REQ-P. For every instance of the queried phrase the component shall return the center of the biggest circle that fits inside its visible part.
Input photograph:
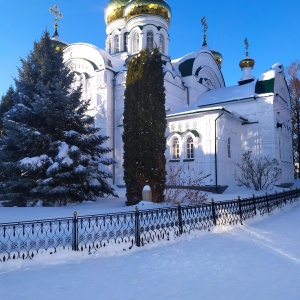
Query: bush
(184, 188)
(259, 173)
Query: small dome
(218, 57)
(114, 10)
(57, 42)
(149, 7)
(247, 62)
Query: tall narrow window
(136, 43)
(161, 43)
(228, 148)
(109, 46)
(175, 148)
(125, 41)
(190, 148)
(280, 149)
(116, 44)
(150, 40)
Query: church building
(209, 126)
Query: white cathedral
(209, 125)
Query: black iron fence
(22, 240)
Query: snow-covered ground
(111, 205)
(259, 260)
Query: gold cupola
(114, 10)
(247, 61)
(246, 66)
(218, 57)
(147, 7)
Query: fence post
(75, 232)
(213, 211)
(137, 227)
(254, 204)
(179, 218)
(240, 210)
(268, 206)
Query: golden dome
(152, 7)
(218, 57)
(114, 10)
(247, 62)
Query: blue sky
(272, 29)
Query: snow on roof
(189, 59)
(227, 94)
(267, 75)
(117, 64)
(270, 74)
(58, 39)
(219, 96)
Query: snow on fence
(22, 240)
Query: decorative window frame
(182, 140)
(194, 134)
(170, 141)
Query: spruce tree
(5, 105)
(144, 127)
(51, 150)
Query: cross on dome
(205, 27)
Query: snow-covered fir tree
(51, 151)
(5, 105)
(144, 127)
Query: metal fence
(23, 240)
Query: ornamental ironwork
(121, 231)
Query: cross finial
(247, 45)
(57, 14)
(204, 24)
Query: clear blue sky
(272, 29)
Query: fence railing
(22, 240)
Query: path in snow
(260, 260)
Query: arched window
(228, 148)
(136, 42)
(150, 40)
(116, 44)
(161, 43)
(175, 148)
(190, 148)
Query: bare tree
(261, 173)
(294, 86)
(182, 188)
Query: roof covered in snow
(220, 96)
